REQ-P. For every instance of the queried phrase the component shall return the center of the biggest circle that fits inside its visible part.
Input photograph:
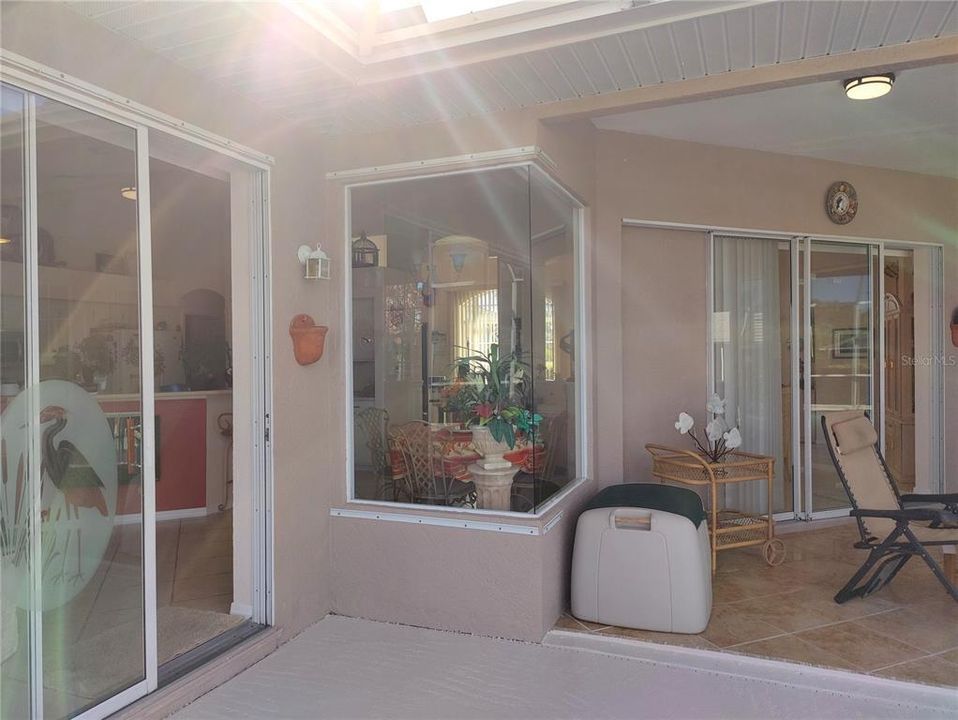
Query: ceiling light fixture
(869, 87)
(128, 192)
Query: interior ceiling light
(869, 87)
(128, 192)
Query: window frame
(539, 167)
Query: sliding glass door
(839, 285)
(123, 330)
(803, 327)
(74, 623)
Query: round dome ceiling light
(869, 87)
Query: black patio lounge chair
(909, 524)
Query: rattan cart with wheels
(728, 529)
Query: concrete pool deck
(348, 668)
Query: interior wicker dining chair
(426, 478)
(374, 424)
(531, 489)
(893, 527)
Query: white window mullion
(147, 408)
(808, 508)
(32, 367)
(878, 356)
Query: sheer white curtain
(476, 327)
(748, 355)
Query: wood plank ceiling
(280, 61)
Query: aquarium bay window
(463, 349)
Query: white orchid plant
(720, 439)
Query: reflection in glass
(841, 289)
(475, 279)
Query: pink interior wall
(181, 482)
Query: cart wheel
(774, 551)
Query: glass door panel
(752, 351)
(840, 285)
(88, 324)
(16, 510)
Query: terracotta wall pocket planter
(309, 339)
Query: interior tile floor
(194, 562)
(93, 645)
(907, 631)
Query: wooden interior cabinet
(900, 372)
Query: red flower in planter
(483, 410)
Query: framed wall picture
(850, 343)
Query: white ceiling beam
(891, 58)
(531, 34)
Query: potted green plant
(491, 392)
(66, 365)
(131, 353)
(96, 353)
(204, 363)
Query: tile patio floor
(907, 631)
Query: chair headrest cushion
(854, 435)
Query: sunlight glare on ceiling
(436, 10)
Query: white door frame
(35, 79)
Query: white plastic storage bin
(643, 567)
